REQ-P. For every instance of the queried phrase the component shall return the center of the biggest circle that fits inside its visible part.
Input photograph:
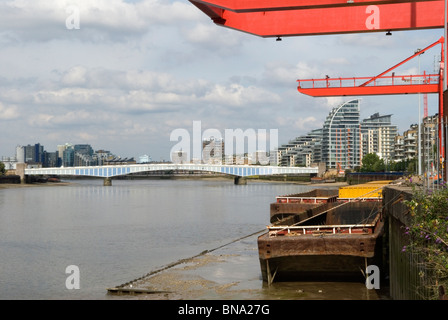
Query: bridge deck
(120, 170)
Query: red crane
(381, 84)
(281, 18)
(384, 85)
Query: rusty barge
(323, 234)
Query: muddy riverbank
(232, 272)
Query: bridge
(108, 172)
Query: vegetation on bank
(372, 163)
(428, 235)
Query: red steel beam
(335, 20)
(440, 41)
(368, 91)
(241, 6)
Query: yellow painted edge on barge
(372, 189)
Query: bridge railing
(119, 170)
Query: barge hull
(316, 268)
(324, 256)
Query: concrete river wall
(407, 278)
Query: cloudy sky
(135, 71)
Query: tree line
(372, 163)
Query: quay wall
(405, 273)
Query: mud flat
(233, 273)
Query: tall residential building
(83, 149)
(410, 138)
(398, 154)
(378, 136)
(50, 159)
(34, 153)
(406, 145)
(103, 156)
(302, 151)
(30, 153)
(341, 146)
(342, 141)
(20, 154)
(61, 149)
(84, 155)
(68, 157)
(429, 138)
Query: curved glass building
(341, 138)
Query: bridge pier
(20, 171)
(240, 180)
(107, 182)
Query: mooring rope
(184, 260)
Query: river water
(119, 233)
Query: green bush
(428, 233)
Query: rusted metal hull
(292, 213)
(337, 244)
(315, 268)
(292, 208)
(313, 196)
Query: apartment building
(342, 141)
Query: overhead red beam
(417, 53)
(241, 6)
(336, 20)
(369, 91)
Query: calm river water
(119, 233)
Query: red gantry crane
(381, 84)
(282, 18)
(384, 84)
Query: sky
(132, 72)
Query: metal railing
(393, 80)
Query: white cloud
(211, 37)
(378, 40)
(42, 20)
(238, 95)
(286, 74)
(75, 76)
(69, 96)
(8, 112)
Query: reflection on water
(119, 233)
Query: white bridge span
(120, 170)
